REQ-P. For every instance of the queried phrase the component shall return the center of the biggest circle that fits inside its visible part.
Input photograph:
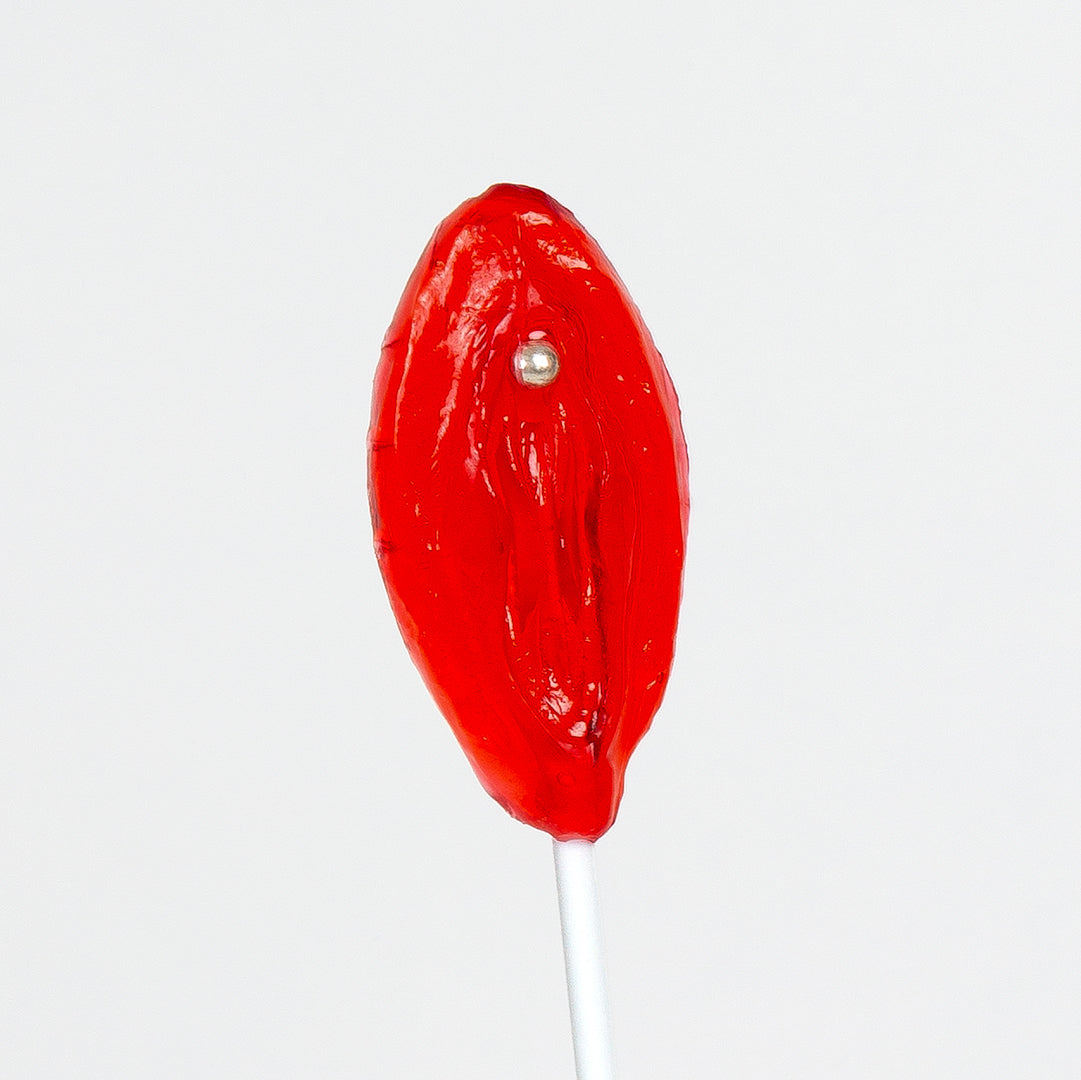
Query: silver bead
(536, 363)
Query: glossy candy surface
(528, 484)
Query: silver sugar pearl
(536, 363)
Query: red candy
(530, 529)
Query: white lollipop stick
(579, 914)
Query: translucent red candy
(530, 536)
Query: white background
(237, 838)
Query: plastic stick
(579, 915)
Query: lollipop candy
(528, 483)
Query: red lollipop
(528, 482)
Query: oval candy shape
(528, 488)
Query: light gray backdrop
(237, 838)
